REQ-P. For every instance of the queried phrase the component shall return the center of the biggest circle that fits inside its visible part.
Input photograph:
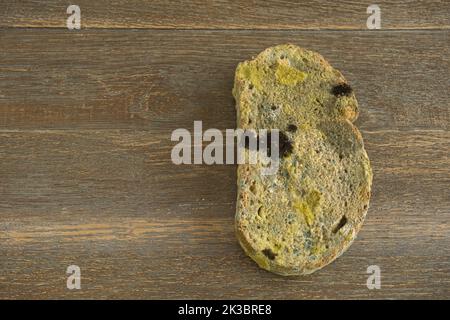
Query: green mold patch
(307, 206)
(313, 199)
(288, 75)
(318, 249)
(253, 73)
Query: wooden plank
(86, 176)
(134, 167)
(112, 202)
(166, 79)
(227, 14)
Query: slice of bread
(308, 213)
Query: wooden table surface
(85, 171)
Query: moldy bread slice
(308, 213)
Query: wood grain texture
(112, 202)
(86, 176)
(227, 14)
(167, 79)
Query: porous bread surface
(308, 213)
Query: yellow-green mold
(288, 75)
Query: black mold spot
(292, 128)
(342, 89)
(269, 254)
(284, 144)
(341, 223)
(274, 107)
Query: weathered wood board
(85, 171)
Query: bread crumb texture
(308, 213)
